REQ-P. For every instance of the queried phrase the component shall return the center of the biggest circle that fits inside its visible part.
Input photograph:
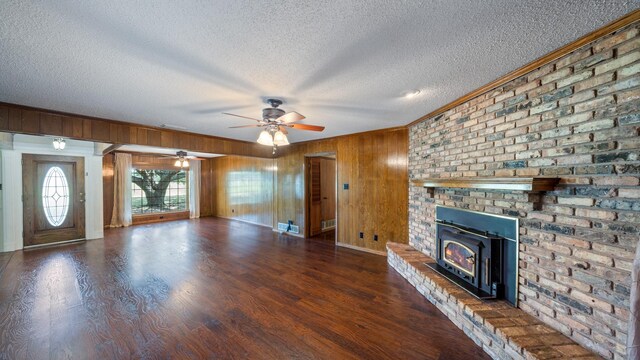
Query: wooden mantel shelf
(532, 184)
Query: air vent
(295, 229)
(328, 224)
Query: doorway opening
(321, 179)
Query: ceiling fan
(182, 159)
(276, 121)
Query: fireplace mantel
(532, 184)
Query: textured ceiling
(343, 64)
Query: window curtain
(194, 189)
(121, 215)
(633, 337)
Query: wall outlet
(361, 235)
(345, 186)
(375, 237)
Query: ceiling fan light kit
(182, 161)
(276, 121)
(265, 138)
(280, 139)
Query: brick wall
(577, 119)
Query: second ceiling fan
(276, 121)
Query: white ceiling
(343, 64)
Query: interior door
(328, 188)
(53, 199)
(315, 197)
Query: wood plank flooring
(215, 289)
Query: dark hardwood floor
(214, 288)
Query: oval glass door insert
(55, 196)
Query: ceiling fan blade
(283, 129)
(240, 116)
(191, 157)
(244, 126)
(290, 117)
(306, 127)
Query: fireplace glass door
(460, 256)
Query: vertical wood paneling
(15, 120)
(4, 118)
(30, 122)
(107, 187)
(374, 164)
(243, 188)
(206, 188)
(51, 124)
(27, 120)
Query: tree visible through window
(158, 190)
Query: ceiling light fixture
(265, 138)
(273, 136)
(59, 144)
(182, 161)
(280, 139)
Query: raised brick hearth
(576, 119)
(503, 331)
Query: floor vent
(328, 224)
(295, 229)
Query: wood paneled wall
(27, 120)
(374, 164)
(243, 188)
(206, 188)
(107, 187)
(153, 161)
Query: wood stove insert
(476, 251)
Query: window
(55, 196)
(158, 191)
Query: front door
(53, 199)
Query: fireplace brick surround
(576, 119)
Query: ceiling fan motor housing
(272, 113)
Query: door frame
(11, 238)
(78, 201)
(307, 185)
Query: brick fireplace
(576, 119)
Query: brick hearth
(500, 329)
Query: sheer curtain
(121, 215)
(194, 189)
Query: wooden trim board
(493, 183)
(353, 247)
